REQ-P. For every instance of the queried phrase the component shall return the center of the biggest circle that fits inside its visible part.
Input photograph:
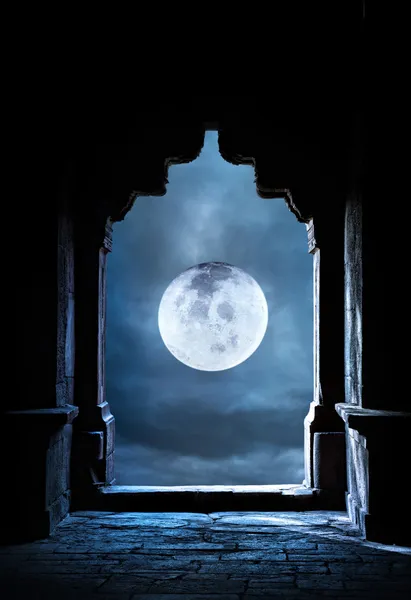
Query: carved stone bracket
(277, 172)
(141, 168)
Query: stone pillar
(37, 471)
(325, 239)
(36, 424)
(376, 408)
(377, 444)
(93, 441)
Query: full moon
(213, 316)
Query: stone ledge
(367, 421)
(287, 489)
(44, 417)
(209, 498)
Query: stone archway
(128, 170)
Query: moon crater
(225, 311)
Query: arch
(129, 170)
(141, 169)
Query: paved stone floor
(188, 556)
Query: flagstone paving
(190, 556)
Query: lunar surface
(213, 316)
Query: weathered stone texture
(189, 556)
(353, 300)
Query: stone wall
(37, 417)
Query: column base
(93, 454)
(321, 419)
(37, 497)
(377, 443)
(329, 466)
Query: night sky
(181, 426)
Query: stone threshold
(216, 498)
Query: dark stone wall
(42, 253)
(37, 416)
(377, 410)
(36, 323)
(376, 259)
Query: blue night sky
(181, 426)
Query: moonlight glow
(213, 316)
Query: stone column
(93, 442)
(36, 425)
(376, 409)
(325, 240)
(377, 443)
